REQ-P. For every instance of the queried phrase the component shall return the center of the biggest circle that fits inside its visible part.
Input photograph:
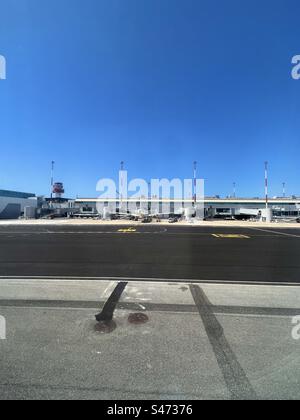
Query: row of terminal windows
(285, 213)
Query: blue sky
(156, 83)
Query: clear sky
(156, 83)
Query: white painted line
(277, 233)
(82, 232)
(230, 236)
(152, 280)
(54, 308)
(252, 315)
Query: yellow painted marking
(129, 230)
(231, 236)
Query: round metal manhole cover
(105, 327)
(138, 318)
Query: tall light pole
(283, 189)
(234, 190)
(52, 177)
(266, 185)
(195, 183)
(122, 183)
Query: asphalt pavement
(152, 252)
(174, 334)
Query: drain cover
(138, 318)
(105, 327)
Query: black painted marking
(235, 378)
(107, 312)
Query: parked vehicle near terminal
(173, 220)
(146, 220)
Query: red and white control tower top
(58, 189)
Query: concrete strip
(49, 354)
(262, 296)
(72, 290)
(56, 353)
(88, 222)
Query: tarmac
(156, 251)
(196, 342)
(186, 312)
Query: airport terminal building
(13, 203)
(213, 206)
